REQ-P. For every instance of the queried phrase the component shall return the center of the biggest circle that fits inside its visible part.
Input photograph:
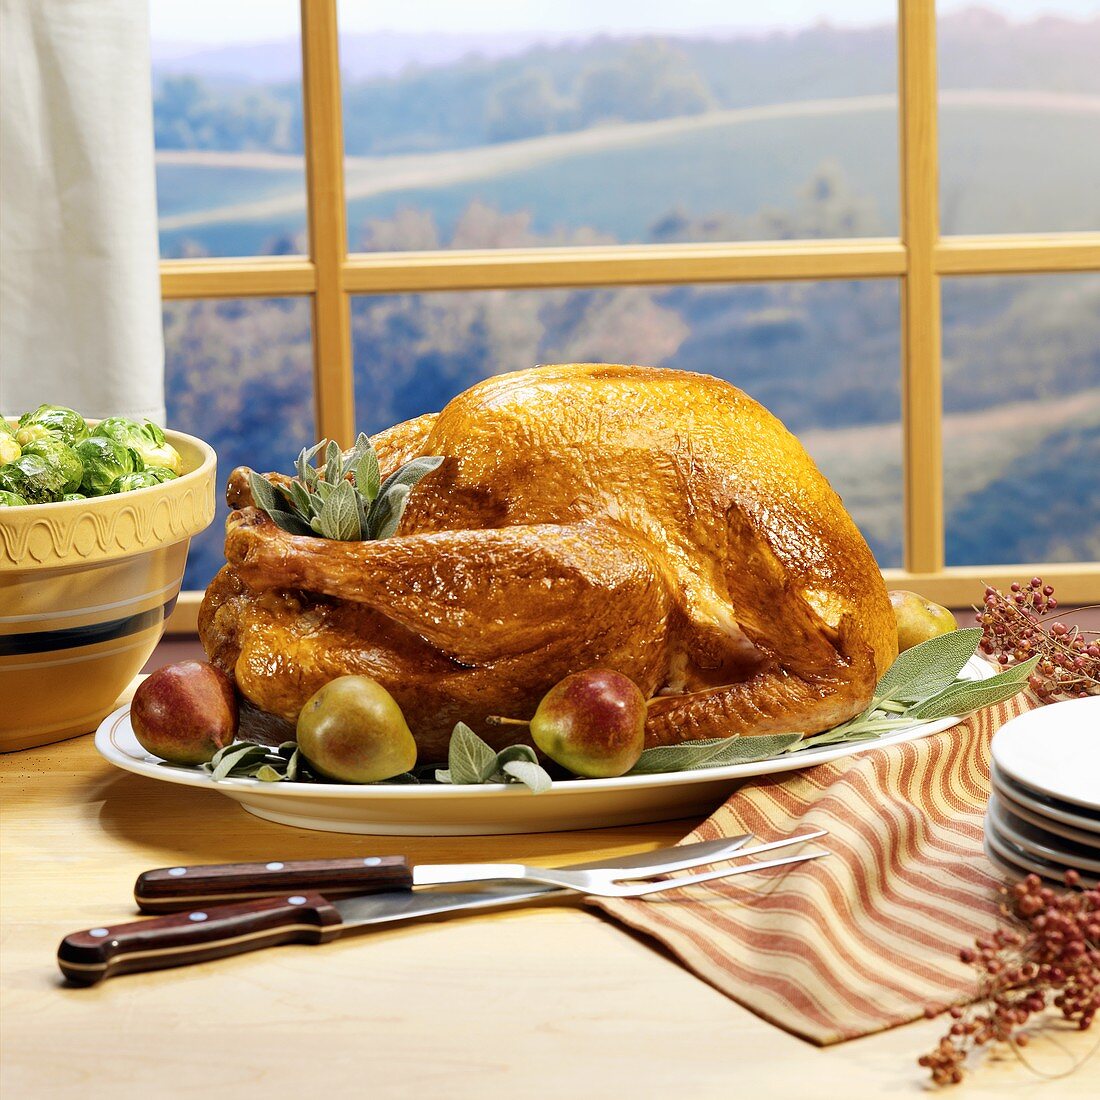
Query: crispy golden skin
(656, 522)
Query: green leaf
(290, 522)
(367, 475)
(532, 775)
(333, 462)
(929, 667)
(694, 755)
(267, 774)
(339, 518)
(516, 752)
(967, 695)
(412, 472)
(442, 775)
(292, 766)
(299, 497)
(469, 759)
(232, 759)
(390, 509)
(263, 493)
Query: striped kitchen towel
(845, 946)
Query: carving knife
(198, 934)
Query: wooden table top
(541, 1002)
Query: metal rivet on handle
(297, 899)
(99, 933)
(196, 916)
(175, 872)
(276, 866)
(372, 861)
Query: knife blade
(197, 935)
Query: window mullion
(334, 392)
(921, 385)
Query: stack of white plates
(1044, 810)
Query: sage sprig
(343, 498)
(470, 760)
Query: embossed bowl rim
(196, 483)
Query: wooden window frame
(919, 258)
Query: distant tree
(525, 106)
(654, 79)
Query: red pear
(185, 712)
(592, 723)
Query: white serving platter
(442, 810)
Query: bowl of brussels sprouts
(95, 521)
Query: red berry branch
(1047, 956)
(1017, 626)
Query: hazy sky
(224, 21)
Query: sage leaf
(469, 758)
(367, 475)
(263, 493)
(267, 774)
(339, 518)
(232, 759)
(290, 522)
(516, 752)
(412, 472)
(967, 695)
(391, 507)
(930, 667)
(299, 497)
(442, 775)
(530, 774)
(333, 462)
(695, 755)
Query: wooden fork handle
(197, 935)
(173, 889)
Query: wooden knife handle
(172, 889)
(196, 935)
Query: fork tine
(622, 875)
(645, 888)
(690, 857)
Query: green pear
(919, 619)
(353, 730)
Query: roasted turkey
(656, 522)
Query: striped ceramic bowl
(85, 589)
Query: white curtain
(79, 290)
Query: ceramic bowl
(85, 589)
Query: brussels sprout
(74, 496)
(32, 477)
(146, 439)
(6, 427)
(11, 500)
(65, 459)
(104, 461)
(143, 479)
(9, 449)
(161, 473)
(52, 420)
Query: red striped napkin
(863, 940)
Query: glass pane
(1022, 425)
(239, 374)
(490, 125)
(227, 115)
(1019, 116)
(822, 356)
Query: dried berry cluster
(1048, 957)
(1015, 629)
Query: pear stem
(500, 720)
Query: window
(824, 301)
